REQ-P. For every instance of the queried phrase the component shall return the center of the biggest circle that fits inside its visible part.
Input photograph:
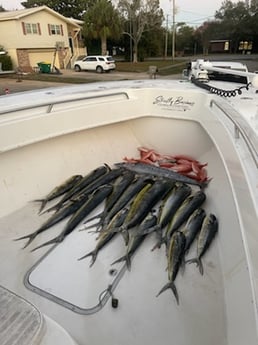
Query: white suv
(96, 63)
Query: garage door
(47, 57)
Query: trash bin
(44, 67)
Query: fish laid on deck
(206, 236)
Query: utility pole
(173, 30)
(166, 39)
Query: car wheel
(77, 68)
(99, 69)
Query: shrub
(6, 61)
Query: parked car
(96, 63)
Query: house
(220, 46)
(40, 34)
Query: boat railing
(241, 128)
(51, 104)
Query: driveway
(12, 85)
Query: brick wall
(23, 60)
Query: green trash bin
(44, 67)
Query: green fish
(175, 255)
(60, 190)
(88, 206)
(208, 231)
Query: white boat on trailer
(49, 297)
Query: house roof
(19, 14)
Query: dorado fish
(168, 208)
(143, 168)
(106, 235)
(87, 180)
(131, 191)
(91, 203)
(193, 226)
(119, 187)
(208, 231)
(146, 200)
(136, 239)
(175, 255)
(66, 211)
(191, 203)
(59, 190)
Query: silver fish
(206, 236)
(143, 168)
(91, 203)
(59, 190)
(136, 238)
(190, 204)
(193, 226)
(175, 255)
(106, 235)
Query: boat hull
(43, 145)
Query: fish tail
(123, 258)
(99, 215)
(53, 208)
(42, 206)
(37, 200)
(128, 262)
(198, 263)
(30, 239)
(93, 255)
(90, 226)
(57, 239)
(172, 286)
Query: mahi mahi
(106, 235)
(91, 203)
(206, 236)
(86, 181)
(136, 238)
(191, 203)
(59, 190)
(175, 255)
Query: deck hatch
(61, 278)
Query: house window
(31, 28)
(55, 29)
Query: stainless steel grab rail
(51, 104)
(241, 127)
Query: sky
(192, 12)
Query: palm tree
(102, 21)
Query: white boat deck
(171, 117)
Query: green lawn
(165, 67)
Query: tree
(2, 9)
(185, 39)
(68, 8)
(102, 21)
(234, 21)
(210, 30)
(141, 15)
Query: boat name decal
(176, 103)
